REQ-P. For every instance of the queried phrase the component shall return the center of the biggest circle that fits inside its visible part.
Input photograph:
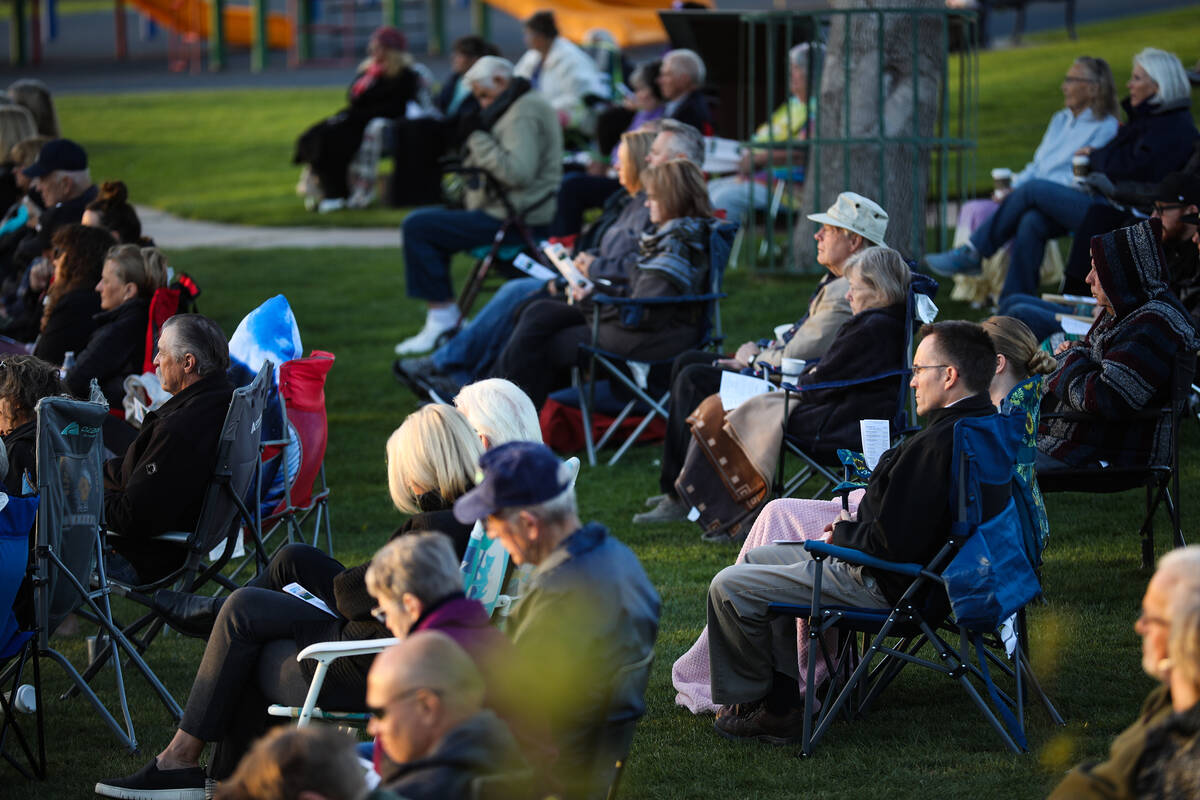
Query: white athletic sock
(445, 317)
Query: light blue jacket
(1066, 134)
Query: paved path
(173, 233)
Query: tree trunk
(904, 79)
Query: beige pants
(745, 645)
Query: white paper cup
(792, 367)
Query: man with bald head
(426, 701)
(1178, 574)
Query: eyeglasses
(1159, 208)
(381, 713)
(916, 368)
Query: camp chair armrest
(174, 537)
(330, 651)
(895, 373)
(605, 299)
(851, 556)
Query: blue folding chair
(18, 646)
(634, 376)
(823, 464)
(955, 603)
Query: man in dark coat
(588, 611)
(159, 484)
(426, 700)
(61, 175)
(904, 516)
(681, 79)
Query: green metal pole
(18, 50)
(258, 47)
(216, 35)
(437, 27)
(303, 30)
(392, 13)
(481, 19)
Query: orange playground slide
(192, 16)
(631, 22)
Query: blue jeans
(469, 355)
(431, 236)
(1035, 312)
(1035, 213)
(736, 196)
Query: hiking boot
(962, 260)
(152, 783)
(761, 725)
(669, 509)
(655, 499)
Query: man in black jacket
(904, 516)
(159, 484)
(61, 175)
(426, 701)
(681, 79)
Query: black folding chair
(224, 514)
(1159, 479)
(635, 376)
(69, 560)
(1001, 581)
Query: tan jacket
(827, 312)
(523, 151)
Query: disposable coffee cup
(792, 367)
(1080, 167)
(1002, 179)
(24, 699)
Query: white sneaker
(331, 204)
(425, 340)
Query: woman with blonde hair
(607, 251)
(383, 87)
(254, 635)
(117, 348)
(673, 260)
(16, 125)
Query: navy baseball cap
(55, 155)
(513, 475)
(1179, 187)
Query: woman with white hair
(1157, 140)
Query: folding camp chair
(69, 550)
(635, 376)
(18, 647)
(824, 464)
(514, 220)
(982, 571)
(305, 437)
(222, 515)
(1160, 480)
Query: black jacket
(22, 456)
(117, 348)
(694, 111)
(870, 343)
(52, 219)
(160, 483)
(905, 514)
(481, 745)
(69, 326)
(1157, 140)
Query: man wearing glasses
(904, 516)
(1178, 574)
(426, 701)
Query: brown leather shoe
(763, 726)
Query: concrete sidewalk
(173, 233)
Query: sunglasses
(380, 713)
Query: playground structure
(208, 27)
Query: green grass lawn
(226, 155)
(924, 740)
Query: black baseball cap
(514, 475)
(1179, 187)
(55, 155)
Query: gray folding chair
(69, 557)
